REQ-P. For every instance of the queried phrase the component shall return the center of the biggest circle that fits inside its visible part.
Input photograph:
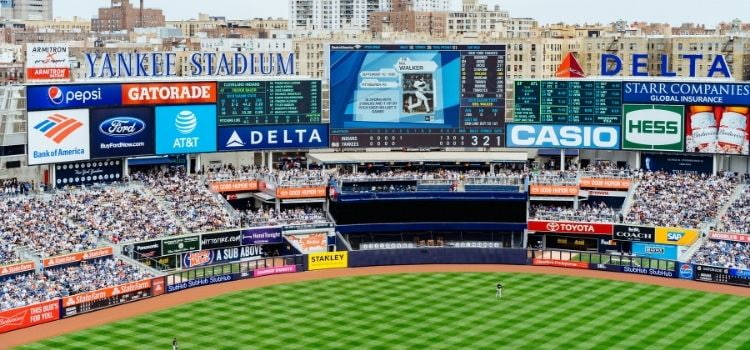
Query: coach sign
(581, 228)
(633, 233)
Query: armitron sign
(583, 228)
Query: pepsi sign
(122, 132)
(46, 97)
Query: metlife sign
(186, 129)
(122, 132)
(563, 136)
(58, 136)
(47, 97)
(233, 139)
(653, 127)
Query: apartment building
(121, 15)
(26, 10)
(332, 15)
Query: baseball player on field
(499, 289)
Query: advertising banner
(583, 228)
(677, 163)
(249, 138)
(105, 293)
(718, 129)
(267, 271)
(47, 62)
(87, 173)
(186, 129)
(197, 259)
(676, 236)
(638, 270)
(721, 275)
(243, 103)
(221, 240)
(729, 236)
(560, 263)
(634, 233)
(685, 271)
(606, 184)
(265, 235)
(16, 269)
(58, 136)
(563, 136)
(180, 245)
(151, 94)
(54, 97)
(551, 190)
(653, 128)
(202, 282)
(598, 193)
(300, 192)
(686, 93)
(233, 186)
(310, 242)
(150, 249)
(248, 252)
(106, 297)
(28, 316)
(656, 251)
(328, 260)
(122, 132)
(157, 286)
(77, 257)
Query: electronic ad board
(401, 96)
(247, 103)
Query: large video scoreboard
(410, 96)
(568, 102)
(244, 103)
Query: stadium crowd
(596, 212)
(272, 217)
(683, 200)
(61, 282)
(440, 174)
(737, 217)
(228, 172)
(189, 200)
(724, 254)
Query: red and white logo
(585, 228)
(13, 320)
(55, 95)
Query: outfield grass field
(437, 311)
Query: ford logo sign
(122, 126)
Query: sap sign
(72, 96)
(563, 136)
(186, 129)
(273, 137)
(612, 65)
(122, 132)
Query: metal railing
(603, 258)
(244, 268)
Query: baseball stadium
(414, 196)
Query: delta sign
(612, 65)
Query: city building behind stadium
(135, 151)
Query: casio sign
(563, 136)
(122, 126)
(674, 236)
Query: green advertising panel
(653, 128)
(180, 245)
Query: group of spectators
(724, 254)
(229, 172)
(13, 187)
(56, 283)
(682, 200)
(596, 212)
(189, 199)
(737, 217)
(272, 217)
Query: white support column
(562, 160)
(125, 170)
(270, 160)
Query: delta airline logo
(58, 127)
(570, 68)
(235, 140)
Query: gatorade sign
(653, 128)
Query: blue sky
(546, 11)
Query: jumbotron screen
(417, 96)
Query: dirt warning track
(121, 312)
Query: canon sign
(570, 227)
(633, 233)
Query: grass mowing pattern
(437, 311)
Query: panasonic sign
(653, 128)
(563, 136)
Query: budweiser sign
(28, 316)
(585, 228)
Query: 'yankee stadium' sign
(164, 64)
